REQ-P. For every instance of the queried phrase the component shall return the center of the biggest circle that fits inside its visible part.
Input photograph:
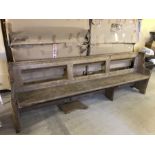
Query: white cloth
(1, 101)
(148, 51)
(153, 61)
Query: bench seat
(52, 93)
(34, 82)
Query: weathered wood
(52, 93)
(15, 108)
(30, 92)
(44, 83)
(78, 60)
(141, 86)
(139, 63)
(16, 111)
(59, 82)
(107, 66)
(70, 72)
(16, 116)
(109, 93)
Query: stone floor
(129, 113)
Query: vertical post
(107, 66)
(109, 93)
(141, 86)
(16, 113)
(140, 62)
(70, 71)
(15, 109)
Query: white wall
(4, 77)
(147, 25)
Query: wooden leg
(16, 116)
(141, 86)
(109, 93)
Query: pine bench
(27, 92)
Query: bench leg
(109, 93)
(141, 86)
(16, 116)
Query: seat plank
(43, 95)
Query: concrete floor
(129, 113)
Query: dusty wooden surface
(26, 93)
(18, 70)
(57, 92)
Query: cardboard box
(110, 48)
(4, 76)
(30, 31)
(4, 82)
(34, 52)
(114, 31)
